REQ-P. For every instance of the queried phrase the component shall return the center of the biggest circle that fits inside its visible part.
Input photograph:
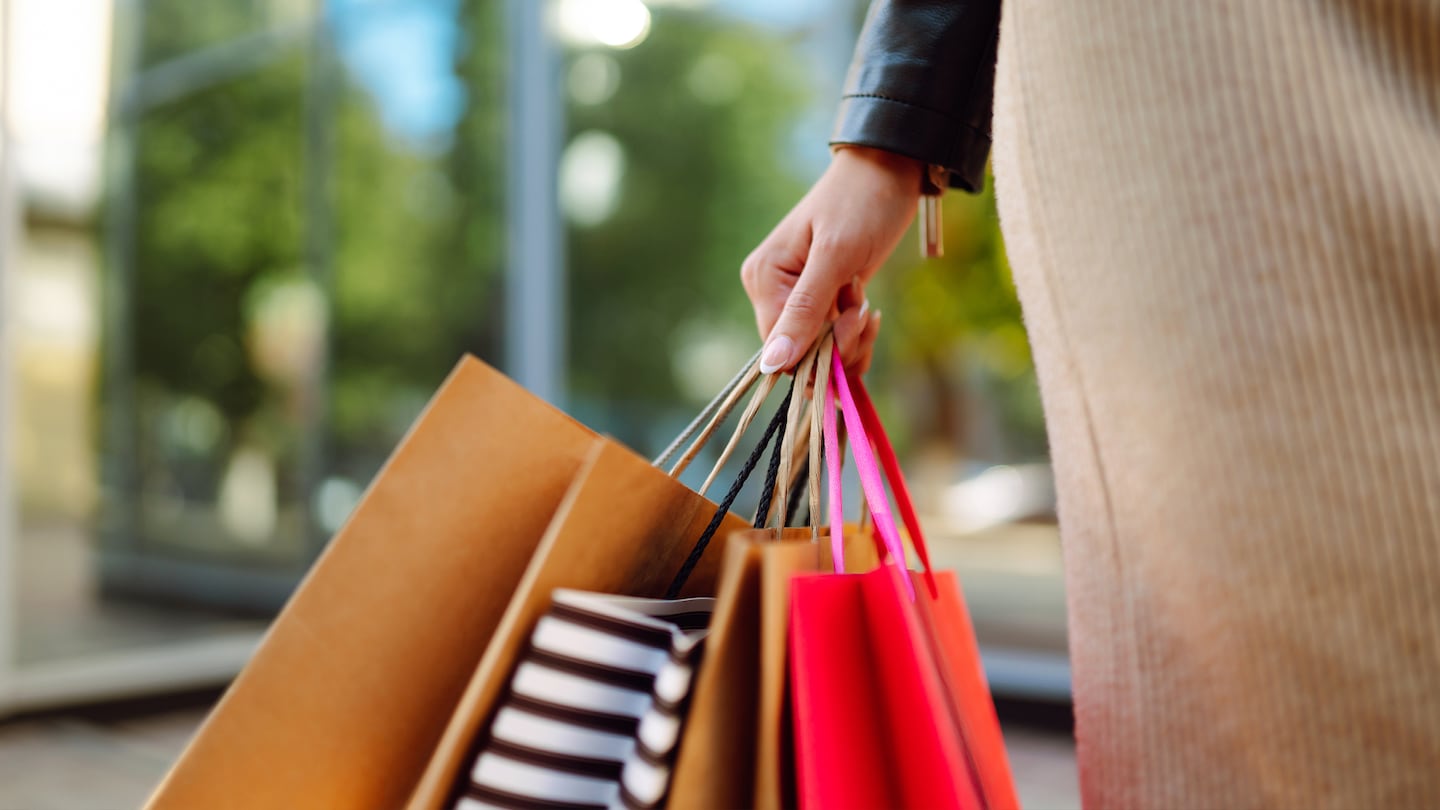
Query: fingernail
(864, 307)
(777, 354)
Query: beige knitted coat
(1224, 220)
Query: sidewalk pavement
(75, 762)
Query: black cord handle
(777, 425)
(772, 472)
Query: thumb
(806, 308)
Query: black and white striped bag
(595, 706)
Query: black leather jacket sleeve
(922, 83)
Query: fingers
(860, 328)
(770, 272)
(808, 305)
(855, 333)
(849, 328)
(866, 351)
(851, 295)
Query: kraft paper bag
(733, 752)
(625, 528)
(354, 684)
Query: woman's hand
(815, 263)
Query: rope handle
(713, 415)
(777, 423)
(767, 384)
(793, 431)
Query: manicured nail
(864, 307)
(777, 354)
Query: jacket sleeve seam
(947, 116)
(884, 97)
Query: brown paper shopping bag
(712, 769)
(355, 682)
(624, 527)
(732, 753)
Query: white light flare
(617, 24)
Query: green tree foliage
(217, 184)
(222, 238)
(703, 112)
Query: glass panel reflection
(304, 228)
(305, 249)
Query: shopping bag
(595, 705)
(712, 769)
(624, 527)
(946, 620)
(732, 753)
(883, 674)
(357, 678)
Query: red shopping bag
(891, 708)
(947, 620)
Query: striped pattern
(1224, 224)
(595, 707)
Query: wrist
(906, 169)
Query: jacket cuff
(926, 135)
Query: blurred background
(243, 241)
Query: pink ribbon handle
(869, 471)
(832, 470)
(895, 477)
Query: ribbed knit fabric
(1224, 221)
